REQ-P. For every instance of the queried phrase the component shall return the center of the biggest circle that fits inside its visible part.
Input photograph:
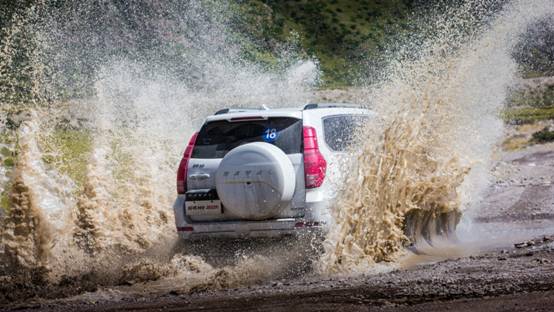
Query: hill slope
(340, 34)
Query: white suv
(263, 172)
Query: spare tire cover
(255, 181)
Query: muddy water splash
(136, 112)
(413, 181)
(26, 233)
(95, 180)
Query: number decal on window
(270, 135)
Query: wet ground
(503, 261)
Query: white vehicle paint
(263, 173)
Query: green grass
(5, 200)
(539, 97)
(5, 137)
(4, 151)
(69, 152)
(7, 159)
(528, 115)
(9, 162)
(340, 34)
(535, 74)
(543, 136)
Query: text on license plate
(203, 207)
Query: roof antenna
(265, 107)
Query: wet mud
(488, 270)
(100, 236)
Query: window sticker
(270, 135)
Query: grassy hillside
(343, 33)
(340, 34)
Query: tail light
(314, 163)
(184, 165)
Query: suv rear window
(217, 138)
(340, 131)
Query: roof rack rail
(236, 110)
(330, 105)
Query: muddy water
(103, 217)
(431, 156)
(112, 224)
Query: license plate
(203, 207)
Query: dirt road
(514, 270)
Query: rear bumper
(312, 223)
(249, 229)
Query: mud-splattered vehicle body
(264, 172)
